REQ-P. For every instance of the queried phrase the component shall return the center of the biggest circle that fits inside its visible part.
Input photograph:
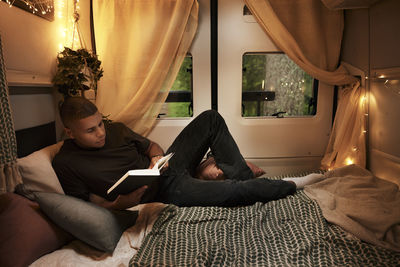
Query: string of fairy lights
(66, 14)
(37, 6)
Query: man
(98, 154)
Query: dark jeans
(208, 130)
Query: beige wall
(372, 43)
(385, 34)
(355, 48)
(384, 144)
(30, 46)
(30, 43)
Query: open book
(134, 179)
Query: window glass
(180, 98)
(273, 85)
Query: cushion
(25, 232)
(92, 224)
(37, 172)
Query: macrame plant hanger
(77, 29)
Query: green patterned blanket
(287, 232)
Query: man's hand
(122, 202)
(154, 160)
(155, 152)
(129, 200)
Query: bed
(300, 230)
(287, 232)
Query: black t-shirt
(83, 171)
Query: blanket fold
(362, 204)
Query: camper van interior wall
(306, 93)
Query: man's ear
(69, 132)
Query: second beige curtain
(308, 32)
(142, 45)
(311, 35)
(347, 143)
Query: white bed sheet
(77, 253)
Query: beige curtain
(347, 143)
(142, 45)
(9, 174)
(311, 35)
(348, 4)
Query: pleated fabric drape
(311, 35)
(9, 174)
(142, 45)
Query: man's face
(88, 132)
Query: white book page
(155, 171)
(144, 172)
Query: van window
(179, 102)
(273, 85)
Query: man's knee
(211, 114)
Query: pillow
(25, 232)
(92, 224)
(37, 172)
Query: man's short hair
(76, 108)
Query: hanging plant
(77, 71)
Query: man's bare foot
(257, 171)
(208, 170)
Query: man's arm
(154, 152)
(122, 202)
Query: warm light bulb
(349, 161)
